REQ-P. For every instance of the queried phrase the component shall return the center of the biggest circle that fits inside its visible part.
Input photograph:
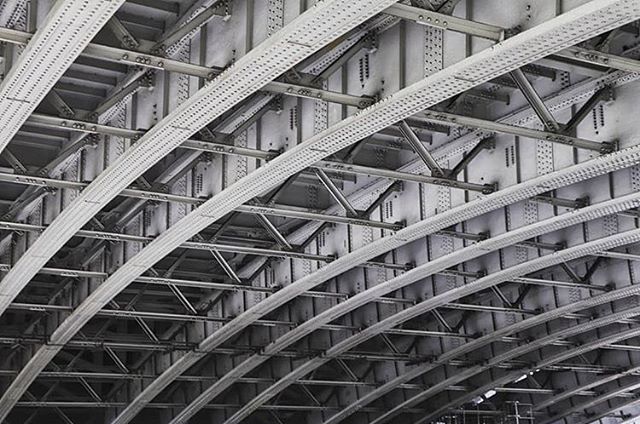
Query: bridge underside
(300, 211)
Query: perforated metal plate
(70, 26)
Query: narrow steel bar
(335, 192)
(486, 143)
(619, 255)
(225, 265)
(195, 22)
(535, 101)
(571, 126)
(126, 38)
(59, 104)
(162, 196)
(319, 94)
(403, 176)
(275, 233)
(114, 356)
(600, 58)
(442, 320)
(14, 161)
(565, 284)
(447, 22)
(499, 127)
(560, 202)
(420, 150)
(103, 235)
(183, 299)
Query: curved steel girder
(590, 403)
(412, 312)
(378, 116)
(273, 57)
(130, 83)
(567, 97)
(628, 404)
(518, 116)
(445, 262)
(576, 390)
(483, 341)
(511, 376)
(467, 253)
(571, 175)
(309, 32)
(67, 30)
(386, 112)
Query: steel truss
(201, 400)
(275, 56)
(283, 155)
(176, 130)
(256, 321)
(609, 411)
(397, 319)
(69, 27)
(583, 348)
(428, 269)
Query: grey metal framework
(319, 211)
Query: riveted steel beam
(161, 196)
(499, 127)
(447, 22)
(47, 57)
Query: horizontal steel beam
(87, 127)
(448, 22)
(147, 60)
(298, 213)
(173, 317)
(170, 346)
(565, 284)
(120, 237)
(159, 405)
(403, 176)
(319, 94)
(202, 378)
(162, 196)
(583, 55)
(499, 127)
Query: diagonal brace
(421, 151)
